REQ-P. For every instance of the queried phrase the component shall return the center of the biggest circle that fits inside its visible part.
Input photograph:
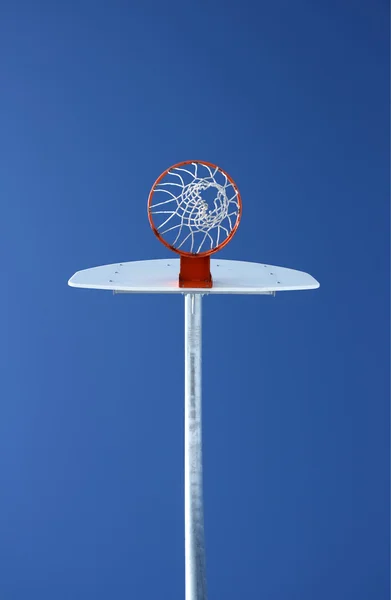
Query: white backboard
(161, 277)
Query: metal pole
(194, 508)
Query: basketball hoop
(194, 208)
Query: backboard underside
(161, 277)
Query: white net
(195, 207)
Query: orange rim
(227, 239)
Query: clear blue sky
(291, 98)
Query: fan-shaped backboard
(161, 277)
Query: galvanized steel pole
(195, 572)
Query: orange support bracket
(195, 272)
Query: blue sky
(97, 99)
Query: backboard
(161, 277)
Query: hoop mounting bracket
(195, 272)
